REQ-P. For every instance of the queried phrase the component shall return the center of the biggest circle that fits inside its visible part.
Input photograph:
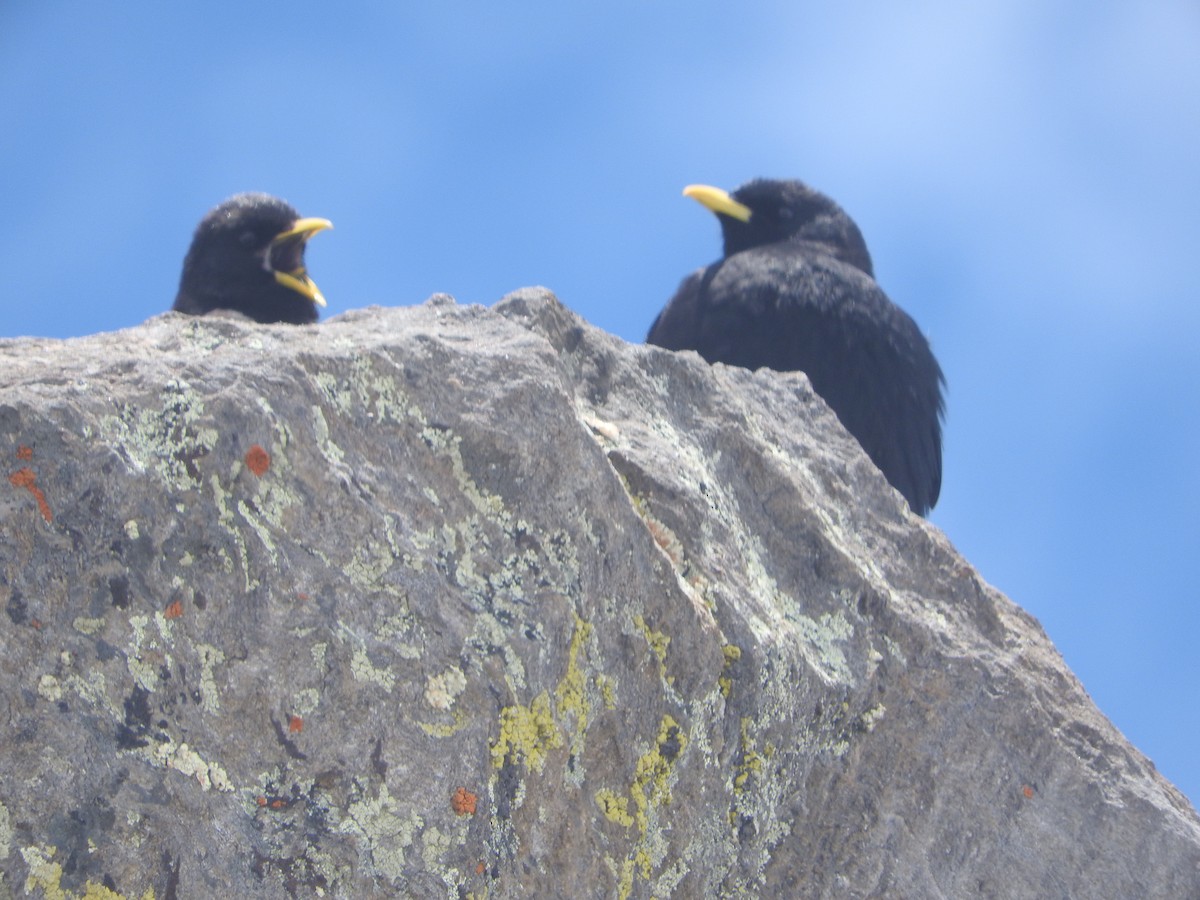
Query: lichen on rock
(454, 601)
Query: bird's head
(248, 255)
(766, 211)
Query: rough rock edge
(802, 689)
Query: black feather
(795, 291)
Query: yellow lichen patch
(614, 806)
(625, 884)
(571, 693)
(433, 729)
(651, 787)
(732, 654)
(651, 791)
(84, 625)
(658, 641)
(528, 733)
(608, 691)
(46, 876)
(752, 760)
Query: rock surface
(454, 602)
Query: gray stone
(449, 601)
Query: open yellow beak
(718, 201)
(297, 279)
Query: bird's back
(792, 308)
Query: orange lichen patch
(278, 803)
(1028, 792)
(480, 868)
(25, 453)
(174, 609)
(463, 802)
(258, 460)
(24, 478)
(260, 800)
(666, 539)
(36, 623)
(295, 724)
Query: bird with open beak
(247, 255)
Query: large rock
(451, 602)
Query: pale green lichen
(225, 518)
(144, 672)
(318, 651)
(210, 658)
(894, 649)
(379, 394)
(306, 701)
(49, 688)
(488, 632)
(442, 690)
(371, 562)
(93, 688)
(436, 846)
(259, 526)
(337, 392)
(669, 879)
(332, 452)
(872, 716)
(6, 832)
(821, 645)
(388, 828)
(187, 761)
(393, 629)
(167, 441)
(366, 671)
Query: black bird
(248, 255)
(796, 291)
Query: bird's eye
(247, 239)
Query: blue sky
(1024, 173)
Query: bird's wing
(863, 354)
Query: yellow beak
(297, 279)
(718, 201)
